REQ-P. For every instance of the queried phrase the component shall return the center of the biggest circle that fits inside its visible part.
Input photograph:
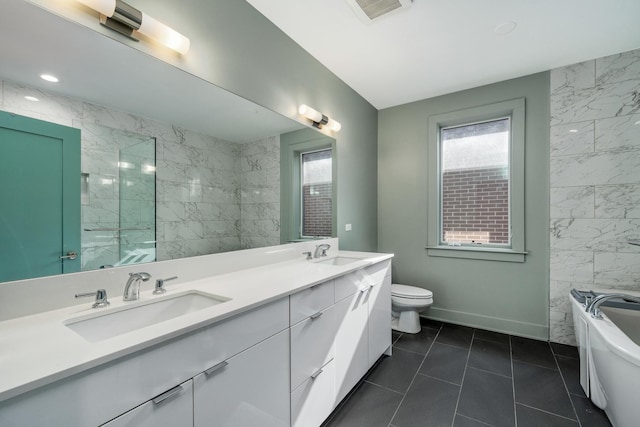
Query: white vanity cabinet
(328, 359)
(170, 409)
(250, 389)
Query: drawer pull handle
(167, 395)
(366, 288)
(316, 286)
(315, 316)
(216, 367)
(316, 374)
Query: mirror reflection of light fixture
(126, 19)
(318, 118)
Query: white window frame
(515, 252)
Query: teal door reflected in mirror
(39, 198)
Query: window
(476, 183)
(316, 197)
(308, 186)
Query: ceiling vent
(368, 10)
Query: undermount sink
(109, 324)
(339, 260)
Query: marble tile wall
(594, 181)
(260, 196)
(199, 179)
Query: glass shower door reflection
(137, 194)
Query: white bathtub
(610, 360)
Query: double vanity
(276, 340)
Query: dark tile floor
(454, 376)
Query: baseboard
(505, 326)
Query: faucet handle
(160, 285)
(142, 276)
(308, 254)
(101, 298)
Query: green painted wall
(502, 296)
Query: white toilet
(406, 303)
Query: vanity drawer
(312, 345)
(310, 301)
(362, 279)
(313, 401)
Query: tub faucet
(321, 250)
(132, 288)
(594, 306)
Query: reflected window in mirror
(316, 193)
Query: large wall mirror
(171, 166)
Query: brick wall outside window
(317, 210)
(475, 205)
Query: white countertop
(39, 349)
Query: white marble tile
(562, 332)
(595, 169)
(220, 229)
(101, 211)
(171, 171)
(613, 100)
(618, 133)
(171, 211)
(572, 266)
(101, 138)
(173, 192)
(572, 202)
(617, 201)
(184, 230)
(559, 301)
(99, 162)
(572, 138)
(261, 211)
(607, 235)
(617, 269)
(572, 77)
(98, 114)
(53, 108)
(215, 194)
(618, 68)
(102, 186)
(260, 194)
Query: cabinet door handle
(216, 367)
(315, 316)
(366, 288)
(316, 286)
(316, 374)
(167, 395)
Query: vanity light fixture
(318, 118)
(31, 98)
(129, 21)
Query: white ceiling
(442, 46)
(101, 70)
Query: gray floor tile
(396, 372)
(369, 406)
(491, 356)
(529, 417)
(488, 398)
(588, 413)
(395, 335)
(445, 362)
(462, 421)
(418, 343)
(428, 403)
(533, 351)
(570, 370)
(481, 334)
(564, 350)
(541, 388)
(429, 323)
(455, 335)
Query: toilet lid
(410, 291)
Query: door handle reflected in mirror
(71, 255)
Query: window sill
(486, 254)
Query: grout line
(566, 389)
(414, 377)
(383, 387)
(473, 419)
(439, 379)
(547, 412)
(464, 374)
(489, 372)
(411, 351)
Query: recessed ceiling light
(31, 98)
(505, 28)
(573, 130)
(49, 78)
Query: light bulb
(161, 33)
(310, 113)
(105, 7)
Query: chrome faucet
(593, 307)
(132, 288)
(321, 250)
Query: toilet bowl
(406, 303)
